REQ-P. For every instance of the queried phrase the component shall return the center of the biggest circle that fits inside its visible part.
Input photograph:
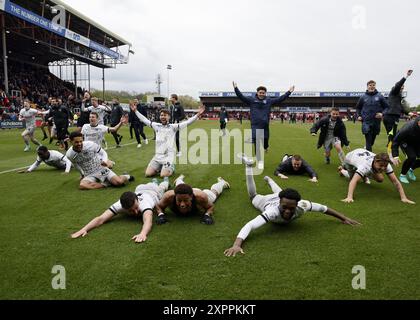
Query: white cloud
(311, 44)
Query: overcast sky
(321, 45)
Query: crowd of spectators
(36, 83)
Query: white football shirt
(361, 161)
(100, 110)
(29, 117)
(56, 160)
(88, 161)
(94, 134)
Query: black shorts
(391, 123)
(62, 133)
(411, 151)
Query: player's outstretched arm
(409, 73)
(315, 127)
(191, 120)
(352, 187)
(236, 248)
(243, 234)
(342, 217)
(105, 108)
(284, 97)
(95, 223)
(281, 169)
(142, 118)
(239, 94)
(399, 188)
(123, 120)
(147, 227)
(310, 171)
(68, 165)
(166, 200)
(32, 168)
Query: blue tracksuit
(368, 106)
(260, 111)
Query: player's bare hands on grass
(313, 134)
(396, 161)
(314, 180)
(233, 251)
(283, 177)
(406, 200)
(351, 222)
(23, 171)
(348, 200)
(82, 233)
(140, 238)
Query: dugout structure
(49, 33)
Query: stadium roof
(90, 21)
(33, 36)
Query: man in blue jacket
(370, 110)
(260, 107)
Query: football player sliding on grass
(362, 164)
(283, 206)
(138, 203)
(186, 201)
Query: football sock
(341, 156)
(273, 185)
(250, 183)
(218, 187)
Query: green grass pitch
(310, 259)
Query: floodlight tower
(158, 82)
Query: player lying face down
(138, 204)
(362, 164)
(290, 207)
(280, 207)
(186, 201)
